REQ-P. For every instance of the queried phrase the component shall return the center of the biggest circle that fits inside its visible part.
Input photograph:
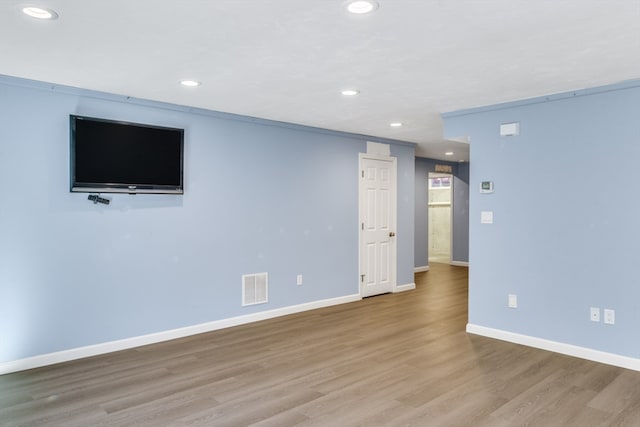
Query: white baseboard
(403, 288)
(127, 343)
(460, 263)
(421, 269)
(557, 347)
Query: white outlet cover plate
(513, 301)
(595, 314)
(609, 316)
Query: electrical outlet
(609, 316)
(299, 279)
(513, 301)
(595, 314)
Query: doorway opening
(440, 214)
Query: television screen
(118, 157)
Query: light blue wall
(460, 215)
(460, 220)
(421, 243)
(566, 235)
(406, 203)
(259, 196)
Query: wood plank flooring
(391, 360)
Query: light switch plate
(513, 301)
(486, 217)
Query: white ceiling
(287, 60)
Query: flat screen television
(110, 156)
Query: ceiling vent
(254, 289)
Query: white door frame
(393, 224)
(451, 189)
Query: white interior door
(377, 225)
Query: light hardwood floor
(391, 360)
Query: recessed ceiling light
(350, 92)
(449, 153)
(190, 83)
(361, 7)
(395, 124)
(39, 12)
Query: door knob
(392, 234)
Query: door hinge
(362, 278)
(363, 173)
(363, 226)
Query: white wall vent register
(254, 289)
